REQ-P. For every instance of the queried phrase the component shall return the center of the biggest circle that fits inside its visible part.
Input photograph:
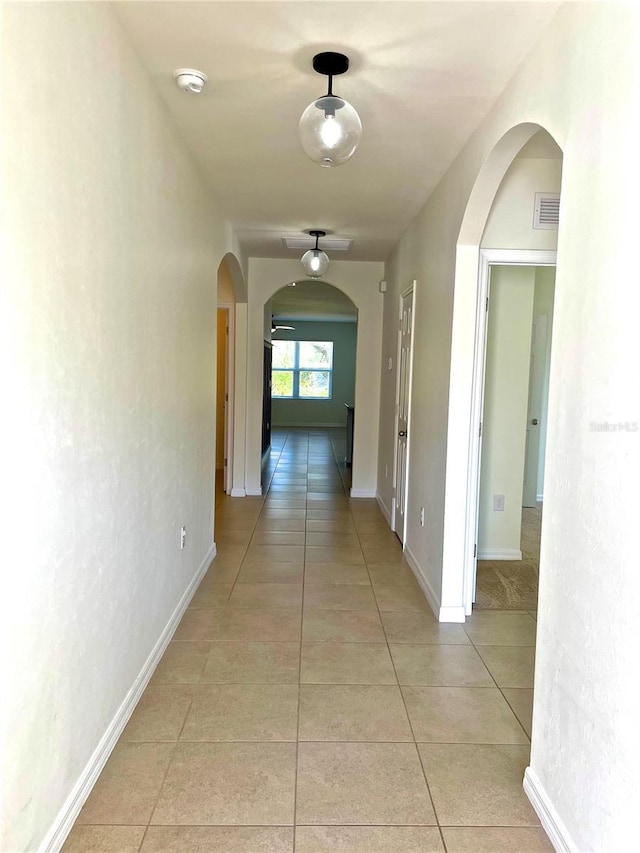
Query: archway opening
(513, 352)
(309, 370)
(231, 289)
(513, 202)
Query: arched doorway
(310, 346)
(357, 281)
(467, 368)
(516, 288)
(229, 433)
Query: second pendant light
(315, 262)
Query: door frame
(411, 290)
(487, 259)
(229, 307)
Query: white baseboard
(443, 614)
(362, 493)
(384, 509)
(549, 818)
(452, 614)
(238, 493)
(67, 815)
(500, 554)
(254, 492)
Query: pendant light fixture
(315, 261)
(330, 128)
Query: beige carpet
(512, 585)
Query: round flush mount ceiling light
(330, 128)
(190, 80)
(315, 261)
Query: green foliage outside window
(302, 369)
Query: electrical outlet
(183, 537)
(498, 503)
(422, 516)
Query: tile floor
(310, 701)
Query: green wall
(322, 412)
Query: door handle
(402, 434)
(534, 421)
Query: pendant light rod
(331, 65)
(315, 262)
(317, 235)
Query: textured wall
(109, 295)
(585, 732)
(510, 223)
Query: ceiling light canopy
(334, 244)
(315, 261)
(330, 128)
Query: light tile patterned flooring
(310, 701)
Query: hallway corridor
(310, 701)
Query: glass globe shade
(315, 263)
(330, 130)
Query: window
(301, 370)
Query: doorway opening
(512, 440)
(524, 169)
(225, 370)
(310, 340)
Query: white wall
(510, 223)
(359, 280)
(504, 423)
(585, 743)
(109, 306)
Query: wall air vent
(546, 211)
(330, 244)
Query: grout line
(404, 704)
(175, 747)
(295, 781)
(164, 778)
(304, 564)
(498, 686)
(413, 734)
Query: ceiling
(313, 300)
(423, 75)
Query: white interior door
(405, 336)
(534, 414)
